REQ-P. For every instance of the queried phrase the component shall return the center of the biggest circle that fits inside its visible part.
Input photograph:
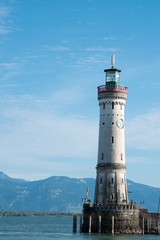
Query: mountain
(140, 192)
(5, 176)
(62, 194)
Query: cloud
(57, 48)
(110, 38)
(9, 66)
(45, 135)
(39, 136)
(4, 30)
(118, 38)
(4, 11)
(89, 60)
(143, 131)
(68, 95)
(36, 170)
(9, 69)
(35, 139)
(6, 24)
(101, 49)
(16, 66)
(136, 159)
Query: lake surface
(47, 228)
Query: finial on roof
(113, 60)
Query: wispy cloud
(143, 132)
(37, 136)
(68, 95)
(9, 66)
(89, 60)
(16, 67)
(9, 69)
(6, 24)
(136, 159)
(57, 48)
(101, 49)
(117, 38)
(4, 11)
(30, 136)
(4, 29)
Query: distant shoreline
(35, 214)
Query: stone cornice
(118, 95)
(111, 165)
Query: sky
(52, 59)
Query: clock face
(120, 123)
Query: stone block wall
(126, 218)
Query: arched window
(112, 105)
(100, 180)
(102, 157)
(112, 139)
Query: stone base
(126, 218)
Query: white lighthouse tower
(111, 210)
(111, 187)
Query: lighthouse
(111, 186)
(111, 210)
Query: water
(47, 228)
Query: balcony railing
(104, 88)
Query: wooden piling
(74, 223)
(90, 223)
(148, 227)
(80, 223)
(112, 224)
(99, 226)
(143, 226)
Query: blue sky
(52, 58)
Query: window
(112, 196)
(102, 158)
(103, 106)
(112, 122)
(122, 180)
(121, 156)
(121, 107)
(103, 123)
(112, 139)
(100, 180)
(112, 180)
(112, 105)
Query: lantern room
(112, 74)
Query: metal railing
(104, 88)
